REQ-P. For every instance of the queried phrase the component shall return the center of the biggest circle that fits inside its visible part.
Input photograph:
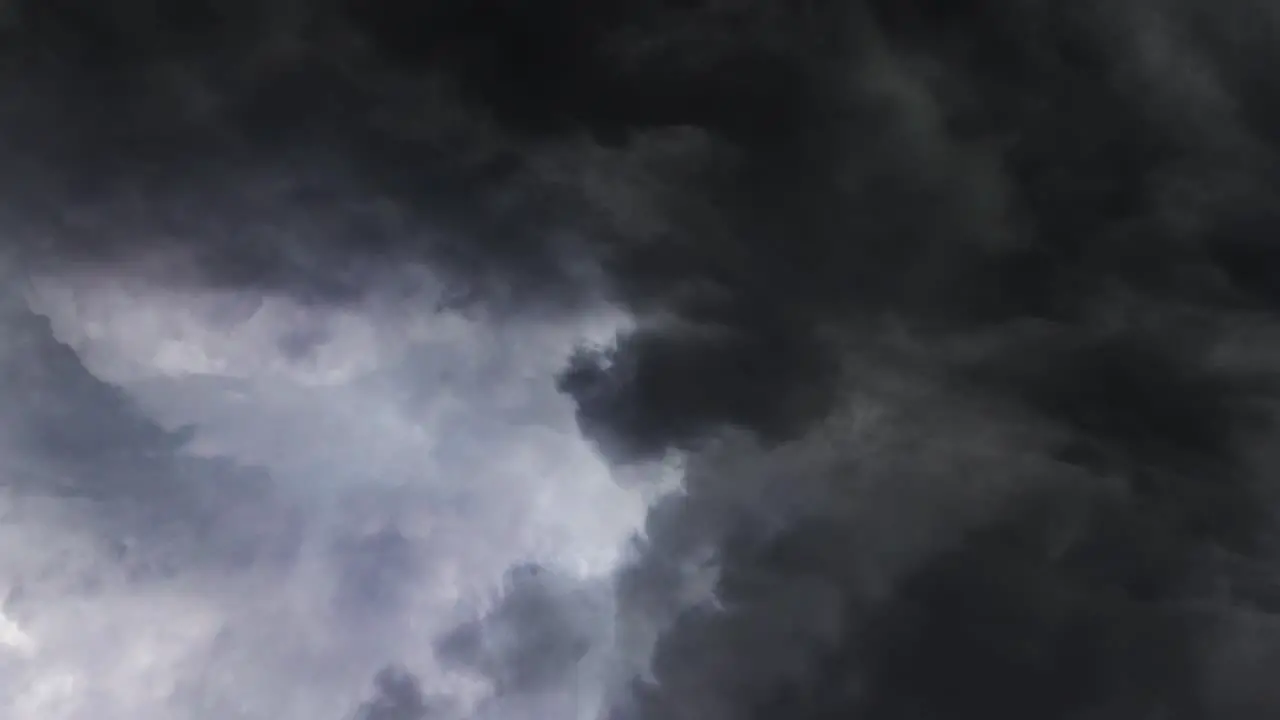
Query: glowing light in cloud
(415, 457)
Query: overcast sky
(706, 360)
(417, 457)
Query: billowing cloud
(172, 548)
(955, 321)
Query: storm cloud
(955, 321)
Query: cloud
(182, 569)
(1073, 581)
(397, 696)
(955, 318)
(533, 639)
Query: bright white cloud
(388, 429)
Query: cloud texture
(956, 322)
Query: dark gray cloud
(1089, 593)
(959, 312)
(533, 639)
(397, 696)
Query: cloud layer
(956, 321)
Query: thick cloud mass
(957, 319)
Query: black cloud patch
(1090, 596)
(660, 389)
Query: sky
(409, 461)
(714, 359)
